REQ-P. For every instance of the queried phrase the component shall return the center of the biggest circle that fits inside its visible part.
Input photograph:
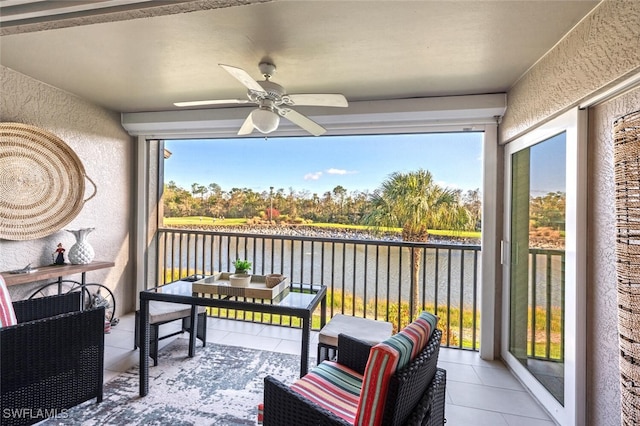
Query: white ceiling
(144, 60)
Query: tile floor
(479, 392)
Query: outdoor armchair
(51, 360)
(395, 382)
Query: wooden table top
(52, 271)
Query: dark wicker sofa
(51, 360)
(415, 392)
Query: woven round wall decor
(42, 183)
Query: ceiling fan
(273, 102)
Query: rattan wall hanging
(626, 137)
(42, 183)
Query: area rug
(221, 385)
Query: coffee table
(299, 300)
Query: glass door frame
(574, 124)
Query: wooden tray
(218, 283)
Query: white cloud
(443, 184)
(332, 171)
(313, 176)
(340, 172)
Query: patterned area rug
(221, 385)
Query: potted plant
(241, 277)
(242, 266)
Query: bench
(165, 312)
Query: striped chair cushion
(7, 314)
(384, 359)
(332, 386)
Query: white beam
(365, 117)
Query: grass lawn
(203, 220)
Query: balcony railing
(367, 278)
(546, 301)
(373, 279)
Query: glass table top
(294, 296)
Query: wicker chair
(415, 393)
(51, 360)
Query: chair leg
(201, 329)
(153, 338)
(153, 343)
(136, 331)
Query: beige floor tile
(460, 356)
(494, 399)
(460, 372)
(293, 347)
(119, 338)
(250, 341)
(513, 420)
(465, 416)
(118, 359)
(235, 326)
(498, 377)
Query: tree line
(336, 206)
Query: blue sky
(319, 164)
(548, 166)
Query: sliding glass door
(543, 335)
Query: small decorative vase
(81, 252)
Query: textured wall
(105, 150)
(602, 49)
(602, 362)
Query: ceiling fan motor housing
(267, 69)
(272, 91)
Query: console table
(53, 271)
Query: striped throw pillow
(7, 314)
(384, 359)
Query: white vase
(81, 252)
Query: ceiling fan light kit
(264, 120)
(273, 102)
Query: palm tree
(414, 202)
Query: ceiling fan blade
(302, 121)
(243, 77)
(247, 127)
(318, 99)
(211, 102)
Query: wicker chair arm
(45, 307)
(430, 409)
(410, 383)
(353, 353)
(282, 406)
